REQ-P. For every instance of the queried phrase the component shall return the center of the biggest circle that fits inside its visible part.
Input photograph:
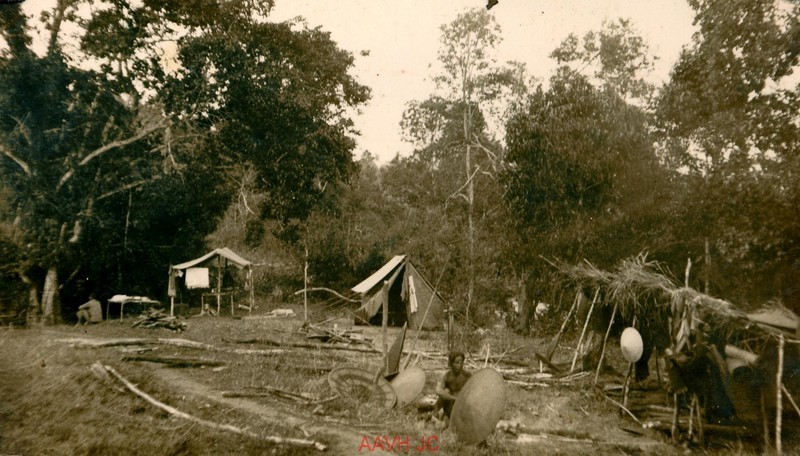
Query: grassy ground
(52, 403)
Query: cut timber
(210, 424)
(175, 361)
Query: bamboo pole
(585, 325)
(605, 340)
(779, 398)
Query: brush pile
(153, 318)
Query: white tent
(218, 259)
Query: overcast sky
(402, 37)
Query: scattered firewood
(153, 318)
(210, 424)
(335, 334)
(175, 361)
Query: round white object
(631, 344)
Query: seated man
(451, 382)
(90, 311)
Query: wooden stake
(674, 430)
(692, 406)
(384, 325)
(700, 433)
(626, 385)
(765, 421)
(605, 340)
(585, 325)
(305, 287)
(779, 398)
(623, 408)
(791, 399)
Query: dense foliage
(120, 151)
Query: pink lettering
(364, 442)
(404, 443)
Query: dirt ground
(52, 403)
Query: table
(125, 299)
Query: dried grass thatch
(643, 289)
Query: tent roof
(223, 252)
(379, 275)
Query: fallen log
(683, 425)
(174, 361)
(267, 391)
(210, 424)
(311, 346)
(100, 343)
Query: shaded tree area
(118, 159)
(705, 172)
(728, 117)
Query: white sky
(403, 39)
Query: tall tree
(84, 147)
(69, 143)
(474, 93)
(583, 178)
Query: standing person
(451, 382)
(90, 311)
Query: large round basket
(479, 406)
(408, 384)
(361, 386)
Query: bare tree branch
(127, 187)
(458, 192)
(110, 146)
(25, 167)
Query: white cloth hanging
(412, 294)
(197, 278)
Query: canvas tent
(410, 297)
(196, 275)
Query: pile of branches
(153, 318)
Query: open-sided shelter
(196, 275)
(409, 296)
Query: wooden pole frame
(585, 325)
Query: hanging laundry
(412, 294)
(197, 278)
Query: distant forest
(115, 163)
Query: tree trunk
(51, 304)
(471, 233)
(34, 306)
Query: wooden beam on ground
(174, 361)
(210, 424)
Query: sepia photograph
(349, 227)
